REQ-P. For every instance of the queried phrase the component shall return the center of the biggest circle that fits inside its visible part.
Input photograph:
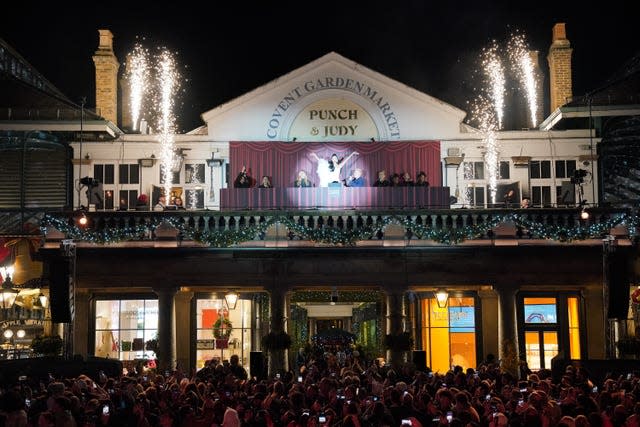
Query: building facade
(528, 284)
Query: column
(81, 325)
(277, 356)
(508, 329)
(166, 328)
(183, 331)
(395, 325)
(489, 325)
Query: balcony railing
(345, 227)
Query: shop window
(124, 326)
(449, 333)
(550, 325)
(221, 333)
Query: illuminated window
(550, 324)
(449, 333)
(124, 326)
(574, 328)
(236, 340)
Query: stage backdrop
(281, 161)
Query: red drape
(281, 161)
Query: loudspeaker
(567, 194)
(420, 360)
(256, 365)
(59, 276)
(618, 277)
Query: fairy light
(523, 67)
(136, 73)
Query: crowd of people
(355, 179)
(320, 393)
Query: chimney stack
(107, 66)
(559, 58)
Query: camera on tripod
(578, 176)
(89, 181)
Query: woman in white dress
(329, 170)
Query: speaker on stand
(420, 360)
(256, 365)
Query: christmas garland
(346, 236)
(222, 328)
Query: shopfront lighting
(442, 298)
(21, 333)
(231, 298)
(42, 299)
(8, 334)
(8, 294)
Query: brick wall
(559, 58)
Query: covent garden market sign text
(333, 82)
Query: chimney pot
(559, 32)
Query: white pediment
(333, 98)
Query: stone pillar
(278, 309)
(166, 328)
(559, 58)
(81, 329)
(508, 329)
(595, 323)
(107, 66)
(490, 314)
(183, 331)
(396, 316)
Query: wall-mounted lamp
(584, 215)
(231, 298)
(148, 162)
(442, 298)
(41, 301)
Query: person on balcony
(302, 180)
(266, 183)
(421, 180)
(356, 180)
(382, 180)
(242, 180)
(329, 170)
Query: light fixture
(584, 215)
(442, 298)
(21, 333)
(231, 298)
(8, 334)
(43, 300)
(83, 220)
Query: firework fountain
(488, 111)
(524, 68)
(137, 74)
(168, 79)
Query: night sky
(227, 49)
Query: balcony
(285, 228)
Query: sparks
(137, 69)
(494, 72)
(168, 81)
(524, 68)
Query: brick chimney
(106, 77)
(559, 67)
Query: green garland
(344, 237)
(222, 328)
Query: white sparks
(168, 81)
(524, 69)
(494, 72)
(136, 73)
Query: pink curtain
(281, 161)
